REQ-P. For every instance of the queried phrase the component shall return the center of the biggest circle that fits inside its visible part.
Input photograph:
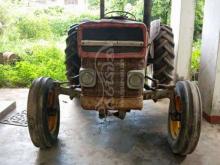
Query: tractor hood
(123, 38)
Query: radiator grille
(112, 77)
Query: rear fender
(154, 32)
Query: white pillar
(182, 22)
(209, 77)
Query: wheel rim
(175, 126)
(52, 113)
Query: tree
(161, 10)
(199, 19)
(118, 4)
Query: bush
(38, 37)
(34, 28)
(2, 76)
(199, 19)
(195, 66)
(45, 61)
(53, 11)
(59, 27)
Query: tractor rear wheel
(43, 113)
(184, 121)
(72, 60)
(163, 62)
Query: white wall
(209, 78)
(182, 22)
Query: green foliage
(161, 9)
(118, 4)
(2, 76)
(38, 36)
(45, 61)
(4, 17)
(199, 19)
(33, 28)
(93, 3)
(196, 57)
(60, 26)
(3, 13)
(138, 10)
(52, 11)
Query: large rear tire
(163, 62)
(184, 121)
(43, 113)
(72, 61)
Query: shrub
(59, 27)
(34, 28)
(45, 61)
(2, 77)
(53, 11)
(196, 57)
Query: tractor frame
(184, 116)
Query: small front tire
(43, 113)
(184, 121)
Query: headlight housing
(87, 77)
(135, 79)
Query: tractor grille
(111, 80)
(113, 34)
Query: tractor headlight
(135, 79)
(87, 77)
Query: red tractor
(113, 65)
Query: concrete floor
(84, 139)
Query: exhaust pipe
(102, 9)
(147, 12)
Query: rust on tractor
(105, 48)
(112, 24)
(100, 103)
(113, 74)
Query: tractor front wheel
(184, 121)
(43, 113)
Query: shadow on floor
(140, 139)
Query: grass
(38, 38)
(44, 60)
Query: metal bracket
(72, 91)
(157, 94)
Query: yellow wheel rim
(52, 116)
(175, 126)
(52, 122)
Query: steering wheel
(120, 15)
